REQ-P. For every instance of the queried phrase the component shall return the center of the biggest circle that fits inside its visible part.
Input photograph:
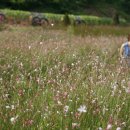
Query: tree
(116, 18)
(126, 5)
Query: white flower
(72, 64)
(41, 43)
(12, 107)
(29, 47)
(21, 64)
(52, 24)
(109, 126)
(7, 95)
(59, 103)
(13, 119)
(7, 107)
(100, 128)
(118, 128)
(114, 87)
(75, 125)
(66, 108)
(124, 123)
(82, 109)
(35, 70)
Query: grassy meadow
(63, 79)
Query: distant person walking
(125, 53)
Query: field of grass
(55, 79)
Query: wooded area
(102, 8)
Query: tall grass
(101, 30)
(51, 80)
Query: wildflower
(6, 95)
(7, 107)
(127, 90)
(124, 123)
(75, 125)
(29, 47)
(65, 94)
(35, 70)
(52, 24)
(82, 109)
(38, 80)
(70, 100)
(93, 101)
(114, 87)
(77, 115)
(41, 43)
(72, 64)
(13, 119)
(100, 128)
(57, 112)
(118, 128)
(12, 107)
(109, 127)
(59, 103)
(20, 92)
(66, 108)
(21, 64)
(28, 122)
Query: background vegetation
(93, 7)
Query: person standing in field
(125, 53)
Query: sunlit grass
(52, 80)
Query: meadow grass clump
(51, 81)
